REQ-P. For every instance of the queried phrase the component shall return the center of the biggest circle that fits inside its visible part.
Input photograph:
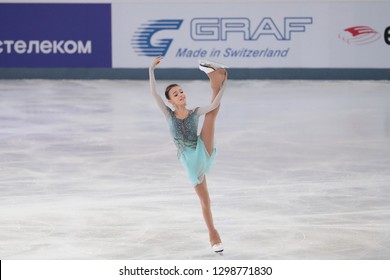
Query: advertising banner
(253, 35)
(55, 35)
(249, 35)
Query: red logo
(359, 35)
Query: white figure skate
(208, 66)
(218, 248)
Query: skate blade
(212, 64)
(206, 69)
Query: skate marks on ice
(88, 171)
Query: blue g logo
(142, 39)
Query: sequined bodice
(184, 131)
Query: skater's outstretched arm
(153, 89)
(205, 109)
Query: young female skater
(196, 152)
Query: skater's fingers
(156, 61)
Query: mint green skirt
(197, 162)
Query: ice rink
(88, 170)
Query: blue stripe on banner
(55, 35)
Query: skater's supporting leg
(204, 198)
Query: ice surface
(88, 171)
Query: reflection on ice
(88, 171)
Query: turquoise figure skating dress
(191, 150)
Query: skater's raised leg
(207, 134)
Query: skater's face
(177, 96)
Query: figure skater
(196, 152)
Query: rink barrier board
(195, 74)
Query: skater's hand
(156, 61)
